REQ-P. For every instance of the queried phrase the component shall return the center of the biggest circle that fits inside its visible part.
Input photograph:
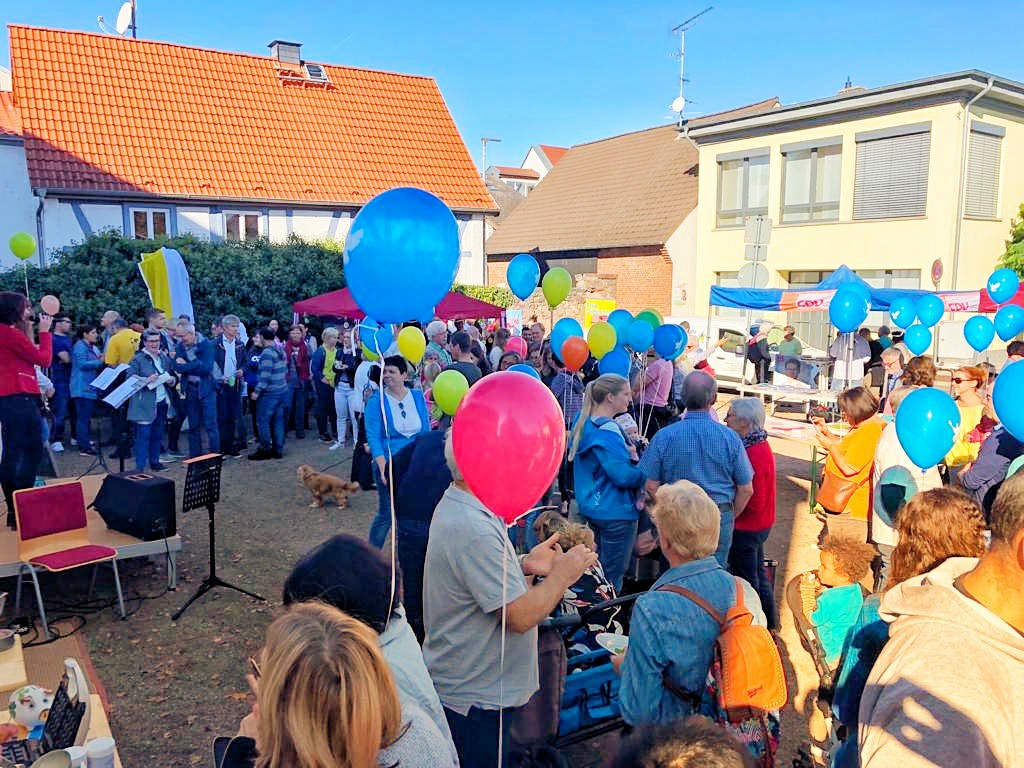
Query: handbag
(835, 492)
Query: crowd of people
(429, 661)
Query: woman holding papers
(86, 362)
(148, 406)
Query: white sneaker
(57, 447)
(335, 446)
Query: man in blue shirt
(699, 449)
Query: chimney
(285, 52)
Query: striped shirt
(273, 372)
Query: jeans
(343, 407)
(59, 405)
(728, 520)
(229, 412)
(745, 558)
(411, 548)
(884, 566)
(270, 408)
(148, 438)
(21, 429)
(84, 406)
(382, 522)
(297, 407)
(476, 736)
(614, 540)
(324, 409)
(202, 414)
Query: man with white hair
(229, 355)
(437, 336)
(699, 449)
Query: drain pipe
(965, 143)
(41, 194)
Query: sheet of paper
(130, 386)
(162, 379)
(107, 376)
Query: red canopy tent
(454, 306)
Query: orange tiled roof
(10, 120)
(113, 115)
(554, 153)
(516, 173)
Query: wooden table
(804, 434)
(12, 667)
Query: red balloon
(508, 438)
(516, 344)
(575, 352)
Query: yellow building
(887, 181)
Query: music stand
(202, 489)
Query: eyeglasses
(960, 380)
(255, 667)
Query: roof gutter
(964, 143)
(40, 231)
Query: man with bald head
(704, 451)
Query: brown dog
(324, 486)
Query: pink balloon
(517, 344)
(50, 305)
(508, 437)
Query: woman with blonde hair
(607, 479)
(326, 699)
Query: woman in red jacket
(21, 427)
(746, 417)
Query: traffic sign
(753, 276)
(757, 230)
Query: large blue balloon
(616, 361)
(917, 338)
(1006, 398)
(861, 289)
(979, 332)
(847, 309)
(669, 341)
(523, 275)
(926, 425)
(1002, 285)
(929, 309)
(620, 320)
(640, 335)
(563, 329)
(401, 254)
(1009, 321)
(529, 370)
(902, 311)
(375, 336)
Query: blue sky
(569, 72)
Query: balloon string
(390, 479)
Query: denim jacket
(672, 635)
(86, 362)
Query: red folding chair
(53, 536)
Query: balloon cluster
(980, 331)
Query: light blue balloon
(847, 309)
(1006, 398)
(616, 361)
(563, 329)
(861, 289)
(917, 338)
(640, 336)
(375, 336)
(1009, 321)
(669, 341)
(523, 275)
(902, 311)
(1002, 285)
(620, 320)
(926, 425)
(529, 370)
(930, 309)
(979, 332)
(401, 254)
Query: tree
(1013, 257)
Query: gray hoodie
(948, 688)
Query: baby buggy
(579, 691)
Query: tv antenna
(679, 103)
(125, 21)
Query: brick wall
(636, 282)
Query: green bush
(255, 280)
(1013, 257)
(502, 297)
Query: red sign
(936, 271)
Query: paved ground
(174, 686)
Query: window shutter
(983, 175)
(892, 177)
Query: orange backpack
(747, 664)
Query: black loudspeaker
(138, 504)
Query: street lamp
(483, 153)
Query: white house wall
(534, 162)
(682, 250)
(17, 205)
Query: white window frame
(814, 206)
(149, 222)
(761, 156)
(241, 213)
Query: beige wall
(875, 245)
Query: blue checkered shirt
(699, 449)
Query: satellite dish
(124, 18)
(678, 104)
